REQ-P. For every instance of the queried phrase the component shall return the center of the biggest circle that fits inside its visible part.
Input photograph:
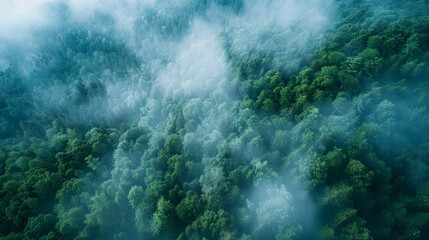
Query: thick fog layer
(212, 119)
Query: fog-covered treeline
(244, 119)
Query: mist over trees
(245, 119)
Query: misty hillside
(221, 119)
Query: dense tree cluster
(331, 145)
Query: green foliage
(162, 218)
(189, 208)
(212, 224)
(338, 134)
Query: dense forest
(222, 119)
